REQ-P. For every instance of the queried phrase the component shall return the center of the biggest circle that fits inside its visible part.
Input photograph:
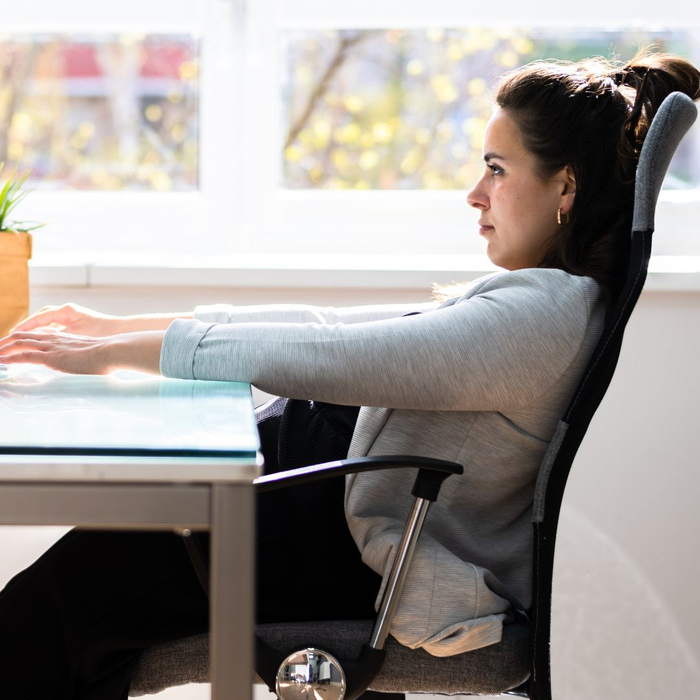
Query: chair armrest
(431, 474)
(358, 673)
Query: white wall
(626, 617)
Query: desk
(129, 451)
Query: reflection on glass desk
(125, 415)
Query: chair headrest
(670, 123)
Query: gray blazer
(481, 380)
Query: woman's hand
(74, 319)
(79, 320)
(81, 354)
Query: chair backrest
(671, 122)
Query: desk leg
(231, 603)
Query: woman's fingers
(59, 316)
(14, 337)
(24, 347)
(20, 345)
(71, 318)
(59, 351)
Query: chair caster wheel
(310, 674)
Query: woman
(480, 379)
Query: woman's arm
(72, 318)
(72, 338)
(501, 348)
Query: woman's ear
(568, 188)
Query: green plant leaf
(11, 195)
(3, 203)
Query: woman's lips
(483, 229)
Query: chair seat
(488, 671)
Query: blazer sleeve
(500, 348)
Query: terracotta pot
(15, 252)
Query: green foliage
(406, 109)
(10, 196)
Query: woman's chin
(494, 257)
(503, 264)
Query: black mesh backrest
(673, 119)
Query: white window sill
(666, 273)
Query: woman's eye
(495, 170)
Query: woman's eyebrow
(491, 156)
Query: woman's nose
(477, 198)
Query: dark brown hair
(593, 116)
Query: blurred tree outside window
(392, 109)
(101, 112)
(364, 109)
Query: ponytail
(650, 79)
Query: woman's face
(518, 208)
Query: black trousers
(74, 624)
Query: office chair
(520, 664)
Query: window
(388, 109)
(107, 108)
(382, 109)
(229, 127)
(102, 111)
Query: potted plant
(15, 252)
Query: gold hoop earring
(562, 218)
